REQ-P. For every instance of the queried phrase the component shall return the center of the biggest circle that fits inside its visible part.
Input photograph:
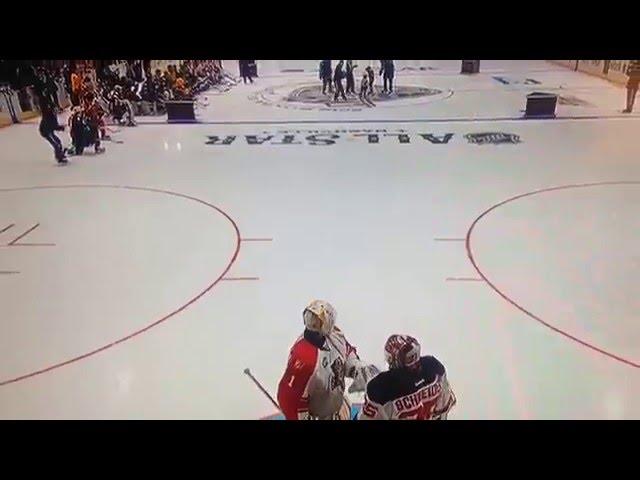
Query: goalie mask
(402, 351)
(319, 316)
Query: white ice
(353, 223)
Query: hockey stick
(257, 383)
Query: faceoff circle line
(156, 322)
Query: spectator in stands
(172, 75)
(157, 77)
(66, 76)
(137, 71)
(147, 91)
(180, 91)
(87, 87)
(159, 83)
(185, 69)
(52, 88)
(633, 71)
(76, 87)
(216, 68)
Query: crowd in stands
(109, 90)
(131, 81)
(175, 83)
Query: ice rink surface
(141, 282)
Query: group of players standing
(85, 121)
(91, 103)
(113, 95)
(332, 78)
(312, 387)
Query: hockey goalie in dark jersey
(414, 387)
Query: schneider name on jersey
(403, 393)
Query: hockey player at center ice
(364, 88)
(313, 385)
(371, 75)
(338, 75)
(325, 75)
(414, 387)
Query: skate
(61, 158)
(367, 102)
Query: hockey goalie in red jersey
(313, 385)
(414, 387)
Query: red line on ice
(155, 323)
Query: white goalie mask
(319, 316)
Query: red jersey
(94, 113)
(314, 382)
